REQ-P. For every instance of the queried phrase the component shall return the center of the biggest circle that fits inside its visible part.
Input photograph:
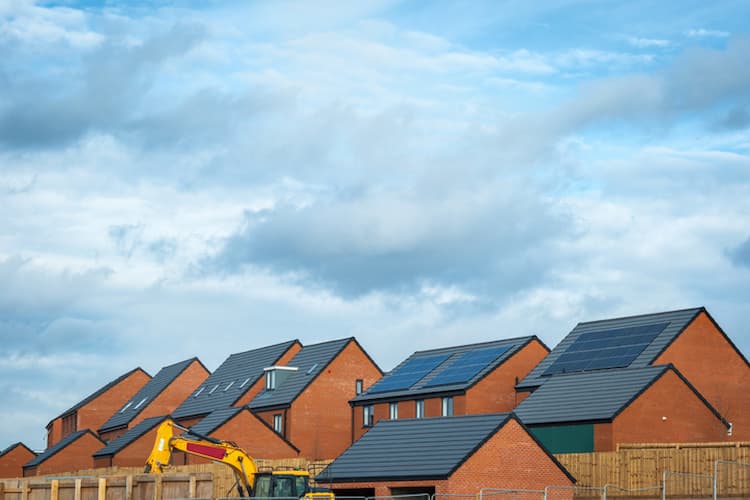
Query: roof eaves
(271, 429)
(135, 438)
(481, 443)
(40, 458)
(700, 396)
(14, 446)
(643, 389)
(377, 479)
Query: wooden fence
(689, 468)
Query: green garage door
(566, 438)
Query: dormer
(276, 375)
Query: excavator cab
(280, 485)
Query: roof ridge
(644, 315)
(475, 344)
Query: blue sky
(182, 179)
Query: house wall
(319, 420)
(175, 393)
(496, 392)
(11, 463)
(93, 414)
(705, 357)
(76, 456)
(258, 386)
(688, 419)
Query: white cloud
(706, 33)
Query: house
(94, 410)
(306, 400)
(234, 383)
(160, 396)
(595, 410)
(132, 448)
(689, 339)
(446, 456)
(70, 454)
(462, 380)
(12, 459)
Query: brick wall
(11, 463)
(175, 393)
(703, 355)
(75, 456)
(496, 392)
(687, 418)
(319, 420)
(510, 459)
(253, 436)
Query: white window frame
(270, 380)
(419, 408)
(358, 386)
(368, 416)
(393, 411)
(447, 406)
(278, 423)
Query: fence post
(157, 487)
(77, 494)
(25, 490)
(193, 486)
(716, 477)
(2, 491)
(664, 485)
(102, 490)
(129, 487)
(54, 489)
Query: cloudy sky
(183, 180)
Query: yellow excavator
(285, 484)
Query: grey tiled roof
(214, 420)
(419, 388)
(63, 443)
(586, 396)
(310, 361)
(131, 435)
(236, 369)
(146, 395)
(677, 320)
(99, 392)
(428, 448)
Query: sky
(184, 179)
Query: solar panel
(605, 349)
(409, 374)
(467, 366)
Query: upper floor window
(393, 411)
(419, 408)
(447, 407)
(270, 380)
(278, 423)
(358, 387)
(276, 375)
(368, 415)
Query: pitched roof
(131, 435)
(60, 445)
(98, 393)
(675, 321)
(14, 446)
(214, 420)
(592, 396)
(231, 380)
(310, 362)
(451, 354)
(146, 395)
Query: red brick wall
(254, 437)
(319, 421)
(497, 391)
(688, 419)
(510, 459)
(603, 438)
(708, 361)
(258, 386)
(11, 463)
(75, 456)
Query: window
(419, 410)
(228, 386)
(368, 415)
(270, 380)
(243, 384)
(278, 423)
(140, 403)
(393, 411)
(448, 407)
(358, 387)
(69, 424)
(312, 368)
(199, 391)
(126, 407)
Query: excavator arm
(223, 452)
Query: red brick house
(70, 454)
(13, 458)
(160, 396)
(94, 410)
(595, 410)
(234, 383)
(131, 448)
(446, 456)
(689, 339)
(306, 400)
(461, 380)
